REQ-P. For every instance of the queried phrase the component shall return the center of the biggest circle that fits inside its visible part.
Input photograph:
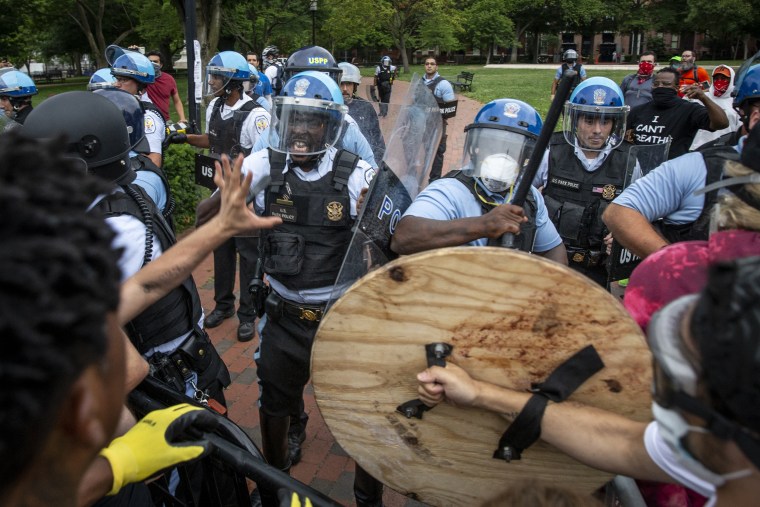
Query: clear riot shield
(7, 124)
(647, 156)
(411, 144)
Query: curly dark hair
(58, 279)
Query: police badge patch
(334, 211)
(608, 192)
(150, 125)
(262, 122)
(599, 96)
(301, 86)
(511, 109)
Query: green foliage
(179, 164)
(657, 45)
(488, 23)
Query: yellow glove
(150, 445)
(295, 501)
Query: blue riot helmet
(307, 117)
(16, 84)
(499, 142)
(386, 61)
(226, 71)
(134, 116)
(18, 88)
(100, 141)
(136, 66)
(102, 78)
(595, 115)
(747, 90)
(312, 58)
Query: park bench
(49, 76)
(464, 81)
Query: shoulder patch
(150, 125)
(261, 122)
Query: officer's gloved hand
(176, 139)
(158, 441)
(178, 128)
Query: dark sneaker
(245, 331)
(217, 317)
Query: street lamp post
(313, 9)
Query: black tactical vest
(523, 241)
(577, 79)
(715, 159)
(576, 198)
(307, 249)
(179, 311)
(224, 135)
(384, 75)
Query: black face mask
(664, 97)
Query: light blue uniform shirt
(153, 186)
(448, 199)
(667, 191)
(443, 90)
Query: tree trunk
(404, 56)
(488, 56)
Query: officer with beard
(669, 117)
(314, 189)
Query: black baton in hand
(526, 179)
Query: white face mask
(674, 429)
(498, 172)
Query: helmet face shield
(594, 128)
(217, 80)
(305, 126)
(496, 154)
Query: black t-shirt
(652, 124)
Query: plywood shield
(512, 318)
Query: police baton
(526, 179)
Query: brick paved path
(325, 466)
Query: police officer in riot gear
(319, 59)
(149, 176)
(471, 206)
(312, 58)
(16, 90)
(385, 73)
(272, 68)
(314, 188)
(133, 73)
(360, 109)
(101, 79)
(234, 124)
(569, 62)
(584, 170)
(169, 333)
